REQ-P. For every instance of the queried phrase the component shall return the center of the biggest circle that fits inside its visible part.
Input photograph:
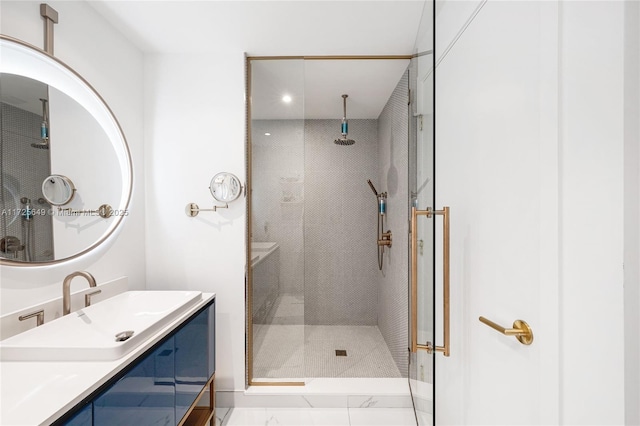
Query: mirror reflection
(26, 230)
(59, 146)
(58, 190)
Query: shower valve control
(386, 239)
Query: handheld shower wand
(383, 238)
(373, 188)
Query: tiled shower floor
(284, 349)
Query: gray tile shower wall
(24, 168)
(278, 184)
(311, 197)
(393, 284)
(340, 224)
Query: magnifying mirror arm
(104, 211)
(193, 209)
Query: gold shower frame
(249, 188)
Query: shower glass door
(422, 241)
(276, 233)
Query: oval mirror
(58, 190)
(225, 187)
(55, 125)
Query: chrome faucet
(66, 288)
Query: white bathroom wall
(76, 134)
(114, 67)
(194, 128)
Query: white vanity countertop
(38, 393)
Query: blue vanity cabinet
(83, 417)
(143, 396)
(162, 387)
(192, 368)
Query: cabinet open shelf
(201, 415)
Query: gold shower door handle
(429, 347)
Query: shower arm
(344, 106)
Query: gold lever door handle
(520, 330)
(429, 347)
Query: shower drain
(341, 352)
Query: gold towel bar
(430, 347)
(520, 330)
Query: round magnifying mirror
(58, 190)
(225, 187)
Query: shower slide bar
(384, 239)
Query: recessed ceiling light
(267, 134)
(286, 99)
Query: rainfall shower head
(40, 145)
(344, 140)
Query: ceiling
(285, 28)
(316, 87)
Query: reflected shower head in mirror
(44, 127)
(344, 140)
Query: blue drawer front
(161, 387)
(83, 418)
(195, 364)
(144, 396)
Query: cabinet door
(194, 358)
(144, 396)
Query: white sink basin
(89, 334)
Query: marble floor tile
(317, 417)
(246, 417)
(221, 415)
(382, 417)
(307, 417)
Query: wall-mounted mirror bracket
(50, 16)
(104, 211)
(193, 209)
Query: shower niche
(309, 195)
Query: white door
(496, 141)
